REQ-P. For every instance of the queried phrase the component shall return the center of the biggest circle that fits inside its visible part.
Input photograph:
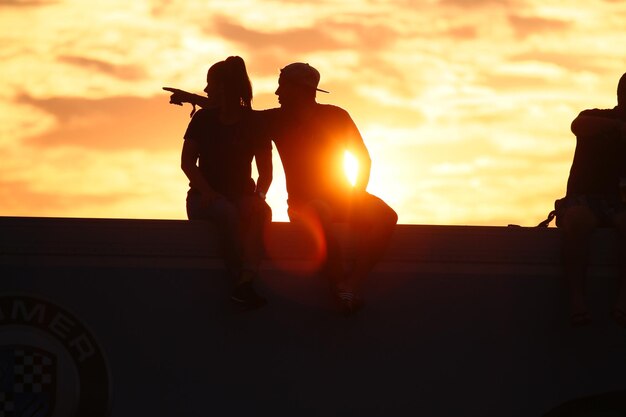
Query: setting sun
(351, 167)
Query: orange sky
(465, 105)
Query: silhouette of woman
(220, 143)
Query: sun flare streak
(351, 167)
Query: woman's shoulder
(204, 116)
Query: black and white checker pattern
(27, 374)
(32, 371)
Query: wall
(459, 321)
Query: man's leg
(578, 224)
(318, 216)
(619, 309)
(372, 226)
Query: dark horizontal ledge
(194, 244)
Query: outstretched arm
(179, 97)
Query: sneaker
(245, 295)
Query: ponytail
(237, 81)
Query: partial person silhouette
(311, 140)
(596, 197)
(218, 149)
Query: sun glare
(351, 167)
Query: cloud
(325, 36)
(82, 182)
(462, 33)
(525, 26)
(292, 40)
(117, 123)
(364, 36)
(473, 4)
(26, 3)
(572, 61)
(123, 72)
(15, 195)
(390, 116)
(516, 82)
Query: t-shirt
(599, 161)
(312, 149)
(226, 150)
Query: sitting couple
(225, 136)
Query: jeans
(240, 223)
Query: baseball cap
(303, 74)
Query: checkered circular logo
(50, 364)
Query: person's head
(297, 84)
(228, 82)
(621, 90)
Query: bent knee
(391, 216)
(394, 215)
(384, 213)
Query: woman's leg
(224, 215)
(255, 216)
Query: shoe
(580, 319)
(245, 296)
(619, 316)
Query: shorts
(222, 209)
(367, 209)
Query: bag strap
(547, 221)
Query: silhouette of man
(594, 199)
(312, 139)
